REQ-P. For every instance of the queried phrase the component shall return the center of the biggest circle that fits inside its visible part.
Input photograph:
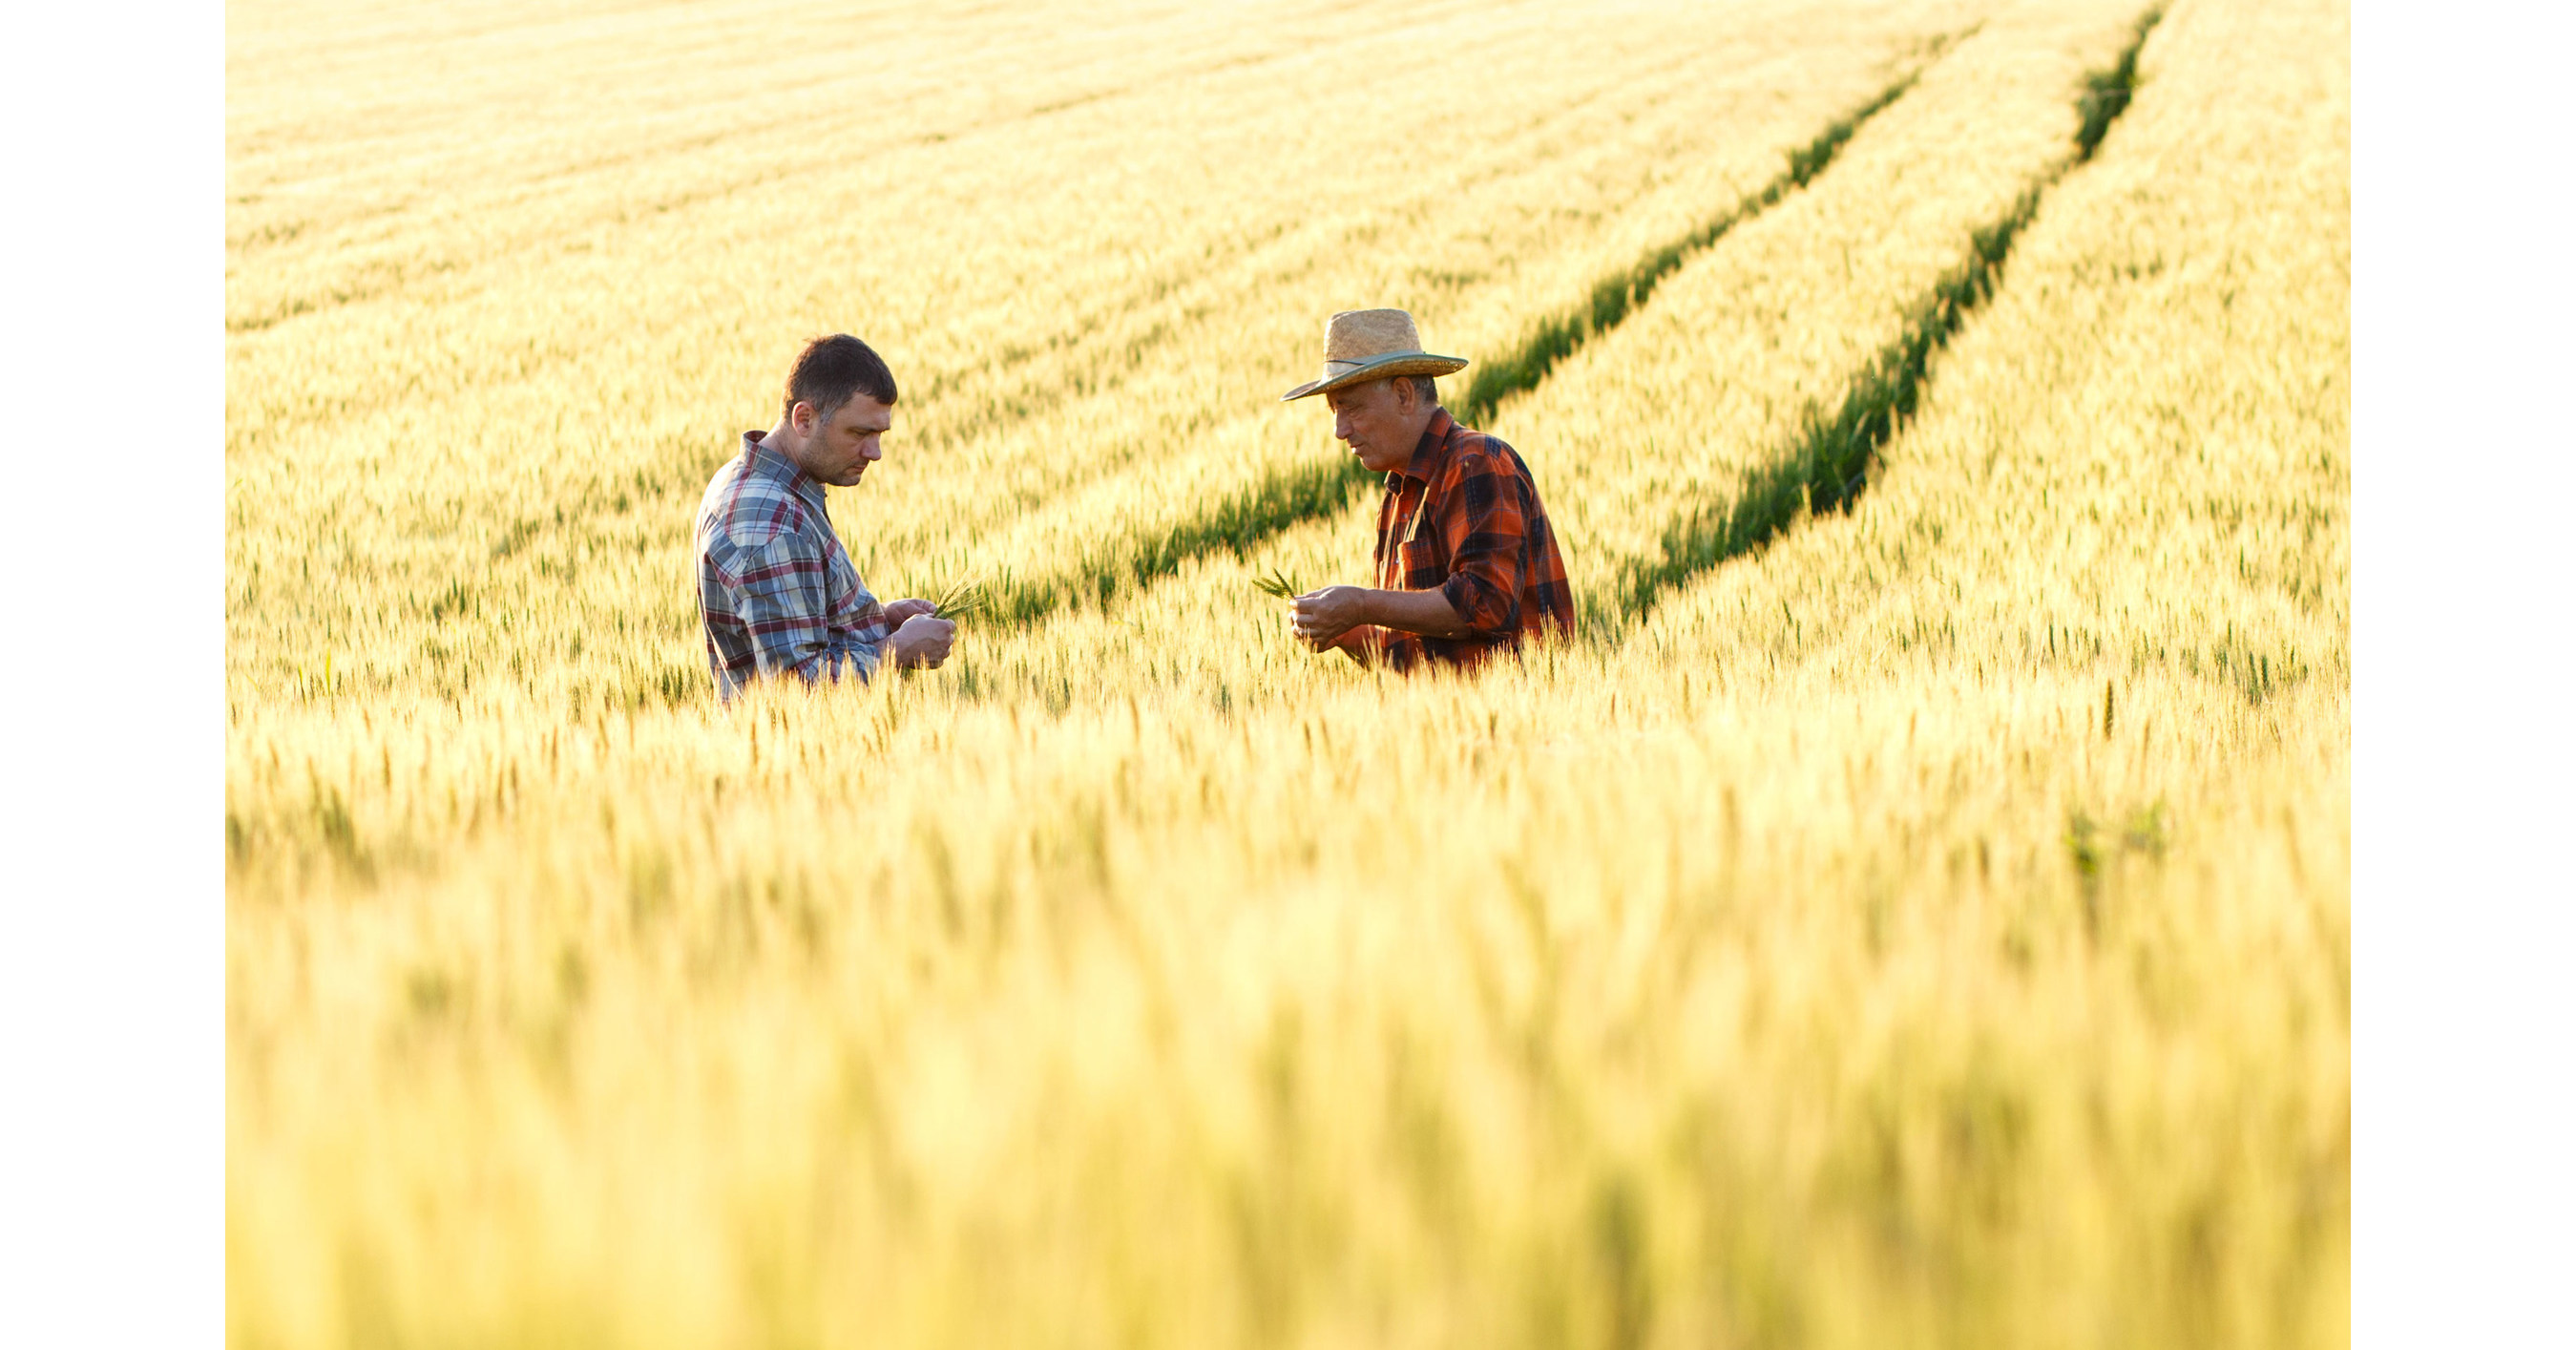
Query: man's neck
(1413, 464)
(781, 441)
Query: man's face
(1380, 421)
(840, 447)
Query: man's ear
(801, 417)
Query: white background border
(111, 833)
(2464, 952)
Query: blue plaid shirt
(776, 590)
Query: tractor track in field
(1829, 466)
(1285, 498)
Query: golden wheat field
(1913, 911)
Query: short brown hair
(831, 371)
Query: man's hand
(1324, 615)
(922, 642)
(900, 610)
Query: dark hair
(1425, 391)
(832, 370)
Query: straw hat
(1372, 344)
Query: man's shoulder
(748, 510)
(1475, 454)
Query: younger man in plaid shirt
(776, 591)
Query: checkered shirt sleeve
(784, 596)
(1484, 529)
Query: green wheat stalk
(1276, 582)
(960, 599)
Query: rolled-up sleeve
(1485, 533)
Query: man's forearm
(1424, 612)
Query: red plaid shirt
(1463, 517)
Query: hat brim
(1381, 368)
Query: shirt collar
(1433, 448)
(760, 461)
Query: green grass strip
(2107, 92)
(1282, 498)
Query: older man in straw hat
(1466, 560)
